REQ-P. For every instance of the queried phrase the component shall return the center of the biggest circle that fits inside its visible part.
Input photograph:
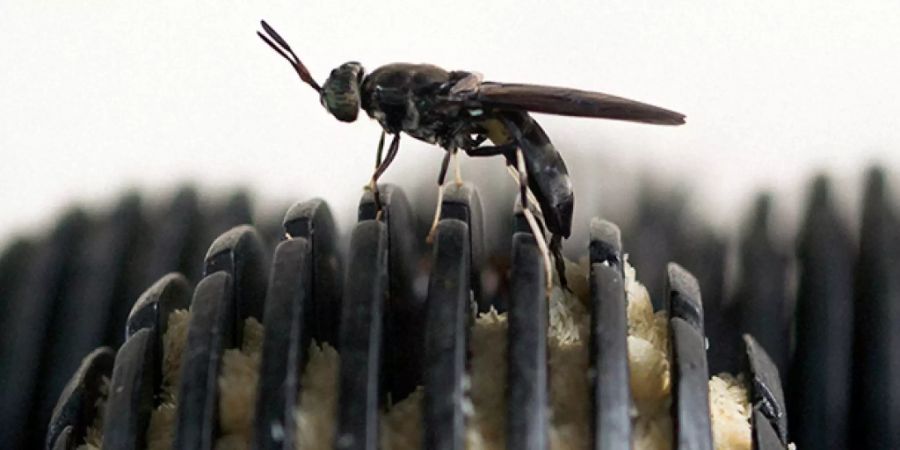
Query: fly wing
(571, 102)
(467, 84)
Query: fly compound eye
(340, 94)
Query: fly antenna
(283, 49)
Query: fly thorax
(412, 118)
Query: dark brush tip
(821, 192)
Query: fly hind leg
(516, 163)
(532, 221)
(556, 250)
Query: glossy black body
(423, 101)
(458, 111)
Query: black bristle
(527, 418)
(77, 406)
(762, 293)
(240, 252)
(464, 203)
(690, 374)
(131, 395)
(152, 311)
(176, 238)
(313, 221)
(820, 372)
(446, 321)
(405, 312)
(609, 381)
(97, 298)
(362, 338)
(289, 315)
(766, 394)
(210, 332)
(47, 281)
(876, 344)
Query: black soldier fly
(458, 111)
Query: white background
(96, 97)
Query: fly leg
(556, 250)
(380, 150)
(507, 150)
(440, 200)
(555, 239)
(529, 217)
(457, 172)
(382, 166)
(510, 167)
(471, 148)
(515, 161)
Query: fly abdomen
(548, 177)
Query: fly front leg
(380, 150)
(382, 166)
